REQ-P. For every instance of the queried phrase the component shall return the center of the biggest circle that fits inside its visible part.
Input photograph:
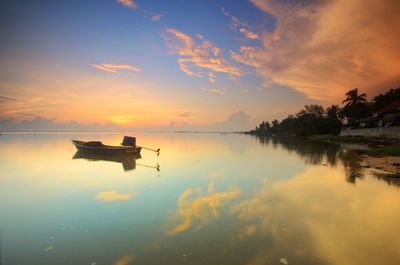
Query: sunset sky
(182, 64)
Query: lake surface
(217, 199)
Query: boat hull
(106, 149)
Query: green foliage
(339, 139)
(385, 151)
(382, 100)
(314, 119)
(356, 106)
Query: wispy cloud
(110, 196)
(186, 114)
(128, 3)
(248, 34)
(156, 17)
(214, 91)
(7, 99)
(243, 28)
(198, 56)
(211, 77)
(314, 52)
(224, 12)
(115, 68)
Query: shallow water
(217, 199)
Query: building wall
(383, 132)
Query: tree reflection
(318, 153)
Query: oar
(156, 167)
(157, 151)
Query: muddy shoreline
(386, 164)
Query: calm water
(217, 199)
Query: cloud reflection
(317, 218)
(125, 260)
(110, 196)
(198, 209)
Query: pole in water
(157, 151)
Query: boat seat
(94, 144)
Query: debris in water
(283, 261)
(48, 249)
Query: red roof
(390, 107)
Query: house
(390, 114)
(369, 122)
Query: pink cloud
(199, 56)
(156, 17)
(128, 3)
(325, 48)
(243, 28)
(115, 68)
(214, 91)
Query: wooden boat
(128, 146)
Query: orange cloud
(196, 57)
(324, 48)
(214, 91)
(128, 3)
(114, 68)
(248, 34)
(244, 28)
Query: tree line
(315, 119)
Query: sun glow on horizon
(121, 119)
(265, 58)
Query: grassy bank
(330, 138)
(378, 146)
(393, 150)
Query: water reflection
(125, 260)
(317, 153)
(222, 199)
(196, 208)
(128, 161)
(337, 228)
(110, 196)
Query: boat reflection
(128, 161)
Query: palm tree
(354, 99)
(356, 106)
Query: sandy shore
(389, 164)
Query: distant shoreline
(111, 132)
